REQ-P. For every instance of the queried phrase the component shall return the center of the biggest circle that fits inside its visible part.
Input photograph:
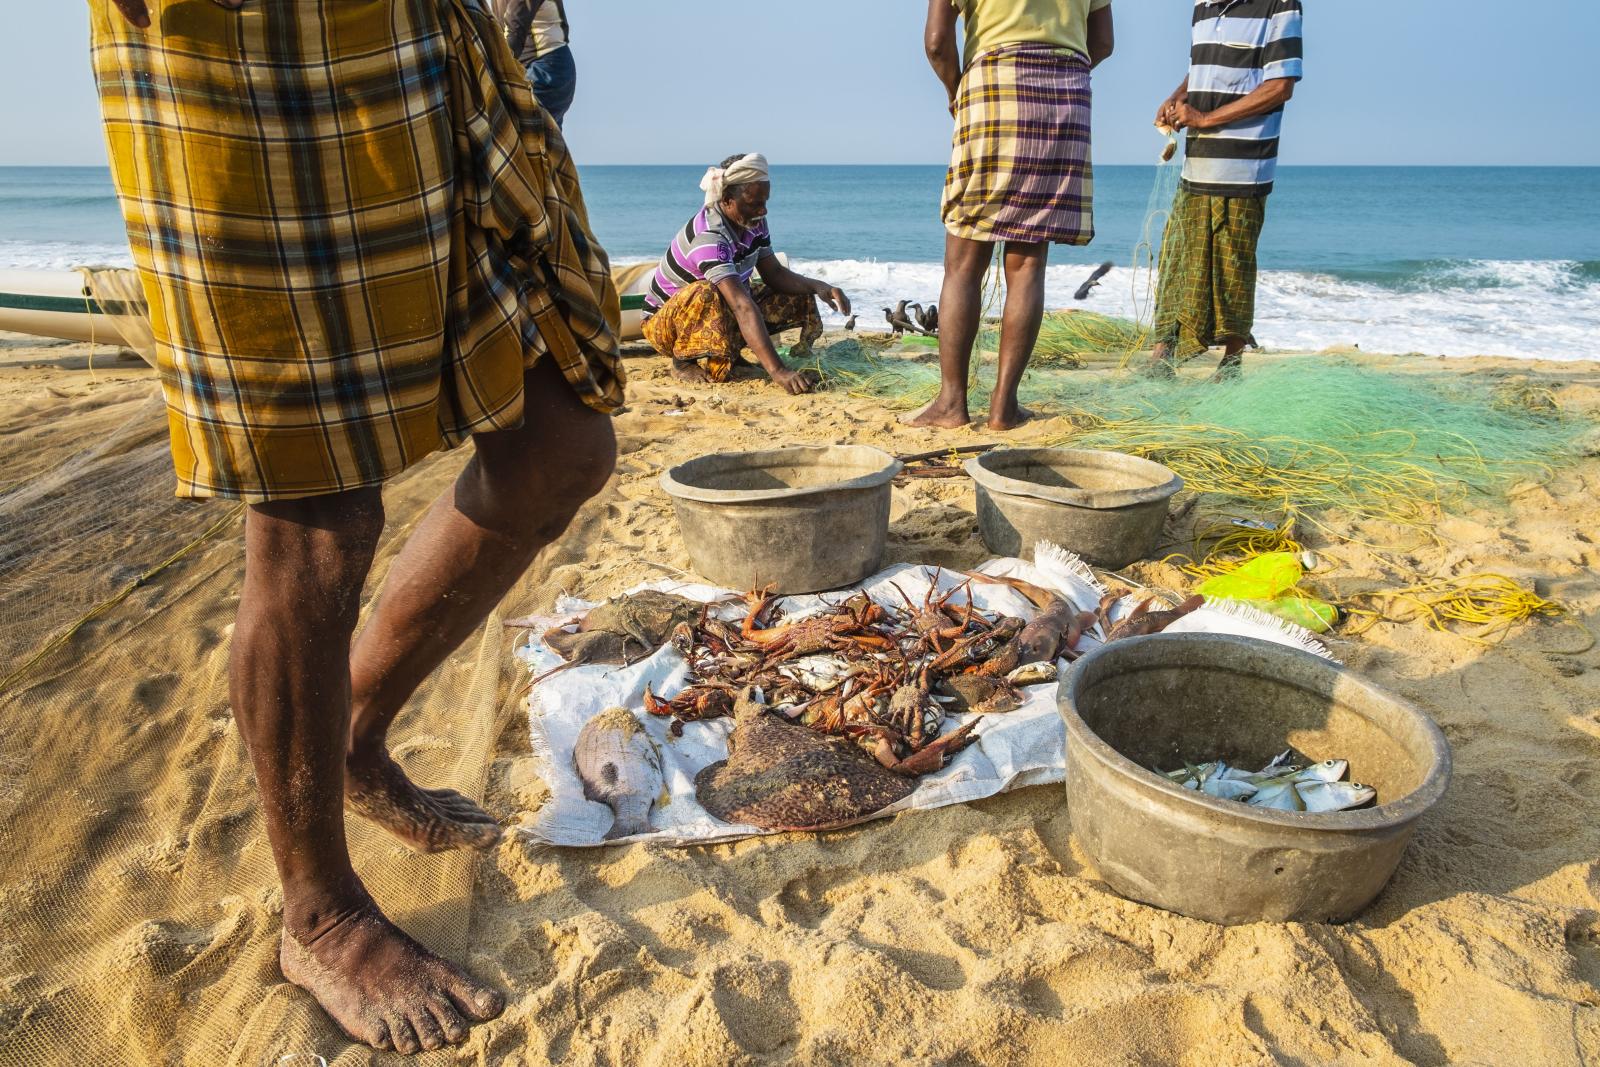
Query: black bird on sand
(850, 324)
(912, 314)
(898, 321)
(1094, 279)
(929, 319)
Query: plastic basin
(1105, 506)
(800, 520)
(1162, 700)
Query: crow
(898, 321)
(929, 319)
(850, 323)
(1094, 279)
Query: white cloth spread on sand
(752, 168)
(1018, 748)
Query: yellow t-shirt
(992, 23)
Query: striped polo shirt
(709, 248)
(1237, 45)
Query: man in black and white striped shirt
(1244, 61)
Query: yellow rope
(1492, 602)
(66, 635)
(1232, 543)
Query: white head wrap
(752, 168)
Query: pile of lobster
(886, 677)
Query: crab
(913, 713)
(884, 743)
(706, 701)
(851, 703)
(780, 776)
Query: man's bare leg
(1232, 364)
(960, 315)
(1162, 364)
(1019, 329)
(515, 496)
(289, 681)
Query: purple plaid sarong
(1020, 167)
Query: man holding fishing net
(362, 241)
(1243, 65)
(1020, 174)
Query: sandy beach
(139, 913)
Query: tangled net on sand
(1294, 436)
(1067, 337)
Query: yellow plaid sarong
(1207, 291)
(356, 230)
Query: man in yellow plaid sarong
(361, 240)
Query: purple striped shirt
(710, 248)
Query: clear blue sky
(844, 81)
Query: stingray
(780, 776)
(622, 631)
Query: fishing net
(1294, 435)
(126, 800)
(120, 296)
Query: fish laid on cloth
(624, 630)
(780, 776)
(620, 768)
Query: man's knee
(964, 256)
(320, 546)
(1026, 262)
(587, 474)
(536, 494)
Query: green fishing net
(1387, 438)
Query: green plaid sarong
(1208, 271)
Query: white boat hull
(56, 303)
(53, 303)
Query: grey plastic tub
(799, 519)
(1105, 506)
(1162, 700)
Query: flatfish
(780, 776)
(620, 768)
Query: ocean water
(1440, 260)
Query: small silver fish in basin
(1279, 785)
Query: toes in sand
(689, 371)
(939, 416)
(384, 989)
(1010, 420)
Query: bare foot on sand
(939, 414)
(687, 370)
(1159, 369)
(1231, 369)
(384, 989)
(429, 820)
(1009, 420)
